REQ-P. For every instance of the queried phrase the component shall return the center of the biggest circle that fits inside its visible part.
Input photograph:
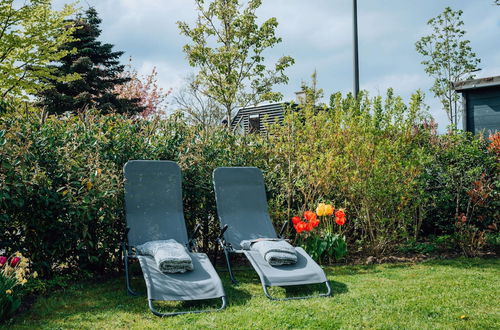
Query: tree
(31, 36)
(227, 46)
(312, 94)
(199, 109)
(448, 57)
(98, 69)
(151, 97)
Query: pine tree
(98, 69)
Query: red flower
(3, 260)
(310, 216)
(300, 227)
(295, 220)
(340, 213)
(340, 221)
(314, 223)
(14, 261)
(309, 226)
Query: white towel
(170, 256)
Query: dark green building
(481, 99)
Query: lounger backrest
(241, 204)
(153, 201)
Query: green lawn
(461, 293)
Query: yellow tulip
(320, 210)
(8, 291)
(329, 209)
(324, 209)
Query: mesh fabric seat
(153, 204)
(243, 212)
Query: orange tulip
(340, 221)
(300, 227)
(295, 220)
(310, 215)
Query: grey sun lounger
(242, 209)
(153, 204)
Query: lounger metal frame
(228, 249)
(129, 254)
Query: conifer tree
(99, 71)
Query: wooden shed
(481, 99)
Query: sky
(317, 34)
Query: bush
(61, 189)
(363, 154)
(462, 185)
(61, 179)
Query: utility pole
(355, 46)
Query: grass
(460, 293)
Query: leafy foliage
(227, 46)
(31, 37)
(61, 191)
(61, 180)
(448, 58)
(61, 187)
(362, 154)
(462, 183)
(98, 70)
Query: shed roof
(461, 86)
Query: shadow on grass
(235, 296)
(247, 275)
(315, 289)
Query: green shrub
(413, 246)
(364, 155)
(61, 179)
(463, 189)
(61, 188)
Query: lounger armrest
(285, 225)
(222, 231)
(194, 235)
(221, 239)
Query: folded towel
(276, 252)
(247, 244)
(170, 256)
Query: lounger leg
(155, 312)
(127, 275)
(231, 275)
(327, 294)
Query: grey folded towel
(170, 256)
(276, 252)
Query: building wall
(268, 114)
(483, 110)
